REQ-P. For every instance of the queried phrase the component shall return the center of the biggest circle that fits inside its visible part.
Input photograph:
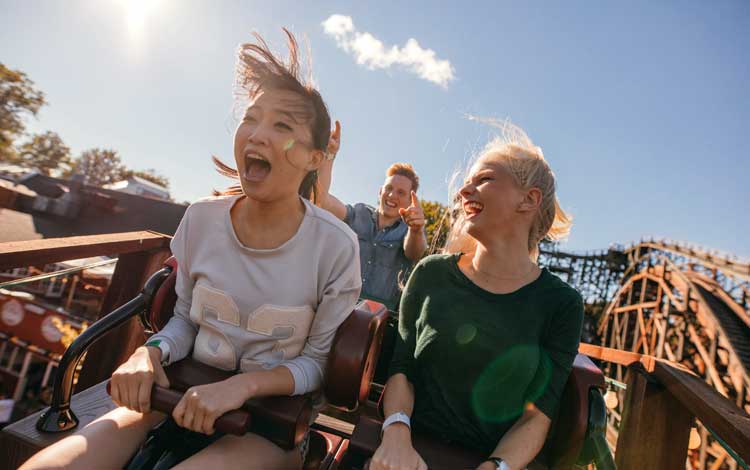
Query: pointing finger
(414, 200)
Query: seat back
(162, 304)
(569, 429)
(354, 355)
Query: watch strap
(499, 463)
(397, 417)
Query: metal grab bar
(59, 416)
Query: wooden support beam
(627, 308)
(720, 414)
(729, 422)
(51, 250)
(131, 272)
(655, 427)
(712, 372)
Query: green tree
(17, 97)
(45, 152)
(148, 175)
(99, 166)
(436, 224)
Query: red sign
(40, 325)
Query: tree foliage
(99, 166)
(45, 152)
(436, 224)
(17, 97)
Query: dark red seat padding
(354, 355)
(162, 305)
(283, 420)
(569, 429)
(561, 450)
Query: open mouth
(391, 204)
(472, 208)
(257, 168)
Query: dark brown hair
(257, 69)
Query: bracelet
(499, 463)
(398, 417)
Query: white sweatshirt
(244, 309)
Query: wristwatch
(499, 463)
(397, 417)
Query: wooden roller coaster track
(673, 301)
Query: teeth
(257, 156)
(473, 207)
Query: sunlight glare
(137, 13)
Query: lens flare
(465, 333)
(512, 380)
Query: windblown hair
(515, 151)
(406, 170)
(258, 69)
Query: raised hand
(334, 142)
(413, 216)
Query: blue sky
(642, 108)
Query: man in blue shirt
(391, 236)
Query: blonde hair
(515, 151)
(406, 170)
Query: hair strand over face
(259, 69)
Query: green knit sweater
(475, 358)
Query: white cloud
(370, 52)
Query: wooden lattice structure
(691, 307)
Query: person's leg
(243, 452)
(107, 442)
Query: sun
(138, 12)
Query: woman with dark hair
(264, 280)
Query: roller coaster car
(282, 419)
(577, 435)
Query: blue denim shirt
(383, 262)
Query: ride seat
(282, 419)
(563, 449)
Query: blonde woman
(486, 337)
